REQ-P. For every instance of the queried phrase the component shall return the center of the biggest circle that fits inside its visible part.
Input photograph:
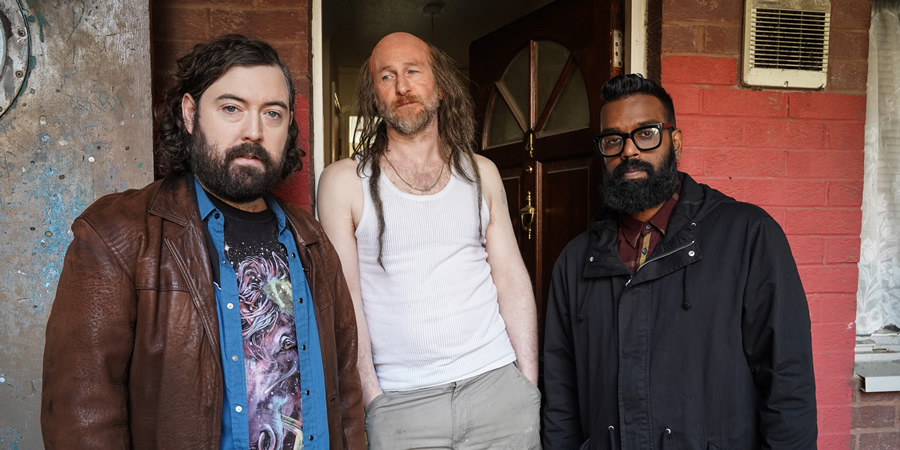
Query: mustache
(409, 98)
(247, 149)
(632, 164)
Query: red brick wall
(799, 155)
(178, 25)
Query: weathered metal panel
(80, 128)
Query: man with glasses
(678, 320)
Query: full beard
(633, 196)
(233, 183)
(410, 125)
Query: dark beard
(240, 184)
(633, 196)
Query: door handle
(527, 215)
(529, 145)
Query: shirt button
(234, 357)
(307, 392)
(644, 251)
(224, 262)
(647, 227)
(294, 255)
(691, 253)
(310, 437)
(217, 215)
(230, 306)
(238, 408)
(302, 347)
(300, 300)
(591, 259)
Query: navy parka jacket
(706, 346)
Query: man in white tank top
(445, 308)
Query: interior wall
(79, 129)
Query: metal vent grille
(785, 39)
(786, 43)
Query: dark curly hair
(622, 86)
(196, 72)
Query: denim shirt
(235, 423)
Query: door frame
(636, 61)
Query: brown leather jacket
(132, 352)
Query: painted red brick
(827, 165)
(296, 189)
(270, 26)
(680, 37)
(295, 56)
(784, 134)
(832, 391)
(178, 22)
(691, 161)
(724, 39)
(842, 250)
(879, 441)
(284, 3)
(829, 279)
(834, 364)
(845, 135)
(807, 250)
(746, 163)
(712, 133)
(686, 101)
(696, 70)
(849, 44)
(850, 14)
(817, 105)
(824, 221)
(833, 419)
(838, 308)
(777, 192)
(845, 193)
(831, 440)
(743, 103)
(848, 76)
(705, 10)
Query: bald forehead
(398, 48)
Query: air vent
(786, 43)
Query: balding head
(397, 49)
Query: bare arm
(514, 289)
(340, 205)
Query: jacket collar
(695, 202)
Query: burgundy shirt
(638, 239)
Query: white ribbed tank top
(432, 311)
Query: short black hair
(622, 86)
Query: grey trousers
(499, 409)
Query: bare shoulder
(339, 189)
(491, 183)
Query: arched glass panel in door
(541, 90)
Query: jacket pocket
(586, 445)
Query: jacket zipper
(657, 259)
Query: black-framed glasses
(645, 138)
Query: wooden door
(536, 85)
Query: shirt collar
(630, 228)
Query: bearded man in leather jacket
(678, 321)
(201, 311)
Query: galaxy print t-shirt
(267, 324)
